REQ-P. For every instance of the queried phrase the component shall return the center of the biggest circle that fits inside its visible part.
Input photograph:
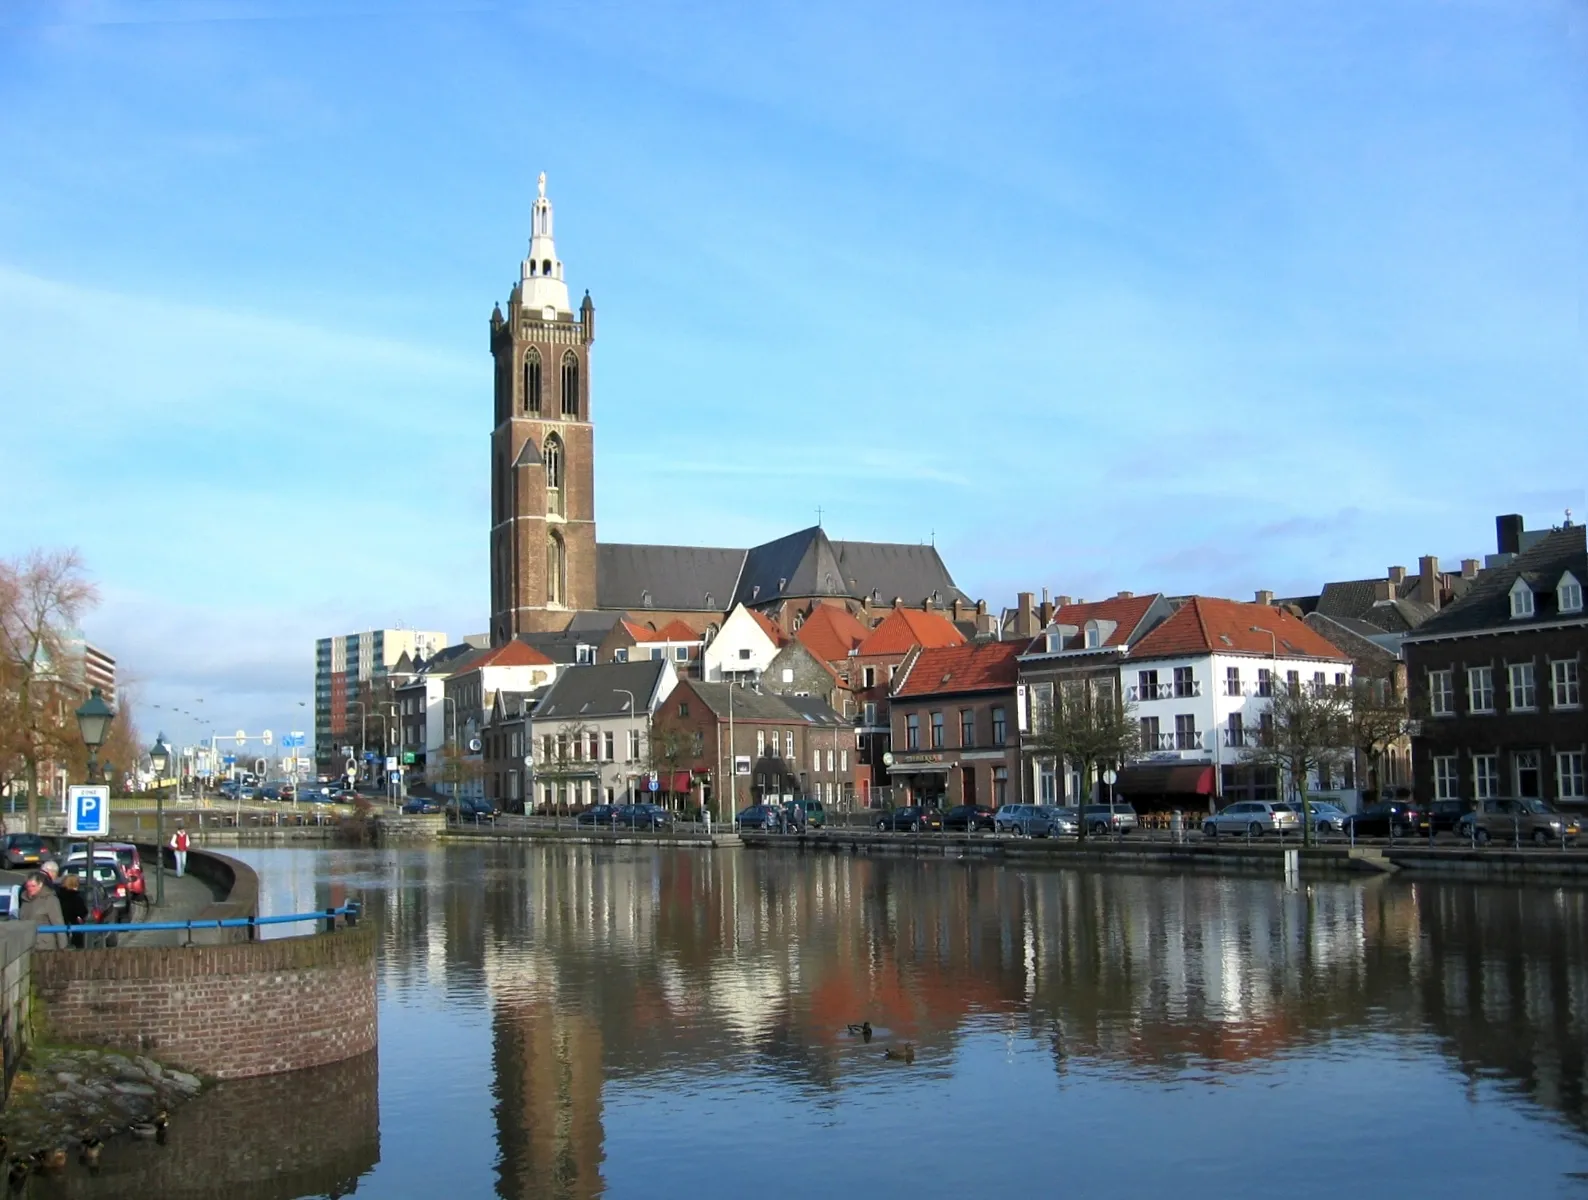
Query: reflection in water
(637, 1007)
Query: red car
(124, 854)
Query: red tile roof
(513, 654)
(779, 638)
(1205, 625)
(830, 633)
(905, 628)
(1126, 612)
(640, 633)
(674, 631)
(977, 667)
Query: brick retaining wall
(227, 1011)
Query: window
(937, 731)
(830, 761)
(912, 731)
(545, 747)
(869, 714)
(556, 569)
(1232, 681)
(1521, 599)
(1184, 685)
(967, 727)
(1185, 732)
(1480, 689)
(1565, 691)
(1568, 594)
(570, 384)
(1529, 774)
(1339, 679)
(1320, 683)
(816, 760)
(1000, 726)
(1523, 693)
(760, 743)
(1441, 694)
(608, 740)
(1485, 776)
(1147, 684)
(1094, 635)
(1235, 735)
(1265, 682)
(1569, 782)
(681, 653)
(869, 674)
(621, 654)
(744, 652)
(532, 381)
(1000, 786)
(1293, 680)
(634, 745)
(683, 708)
(1149, 733)
(584, 655)
(788, 744)
(552, 453)
(595, 746)
(843, 760)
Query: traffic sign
(653, 784)
(267, 737)
(391, 763)
(229, 759)
(408, 758)
(88, 810)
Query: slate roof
(748, 704)
(814, 710)
(905, 628)
(590, 692)
(1359, 598)
(686, 578)
(562, 646)
(830, 633)
(1359, 639)
(1487, 604)
(951, 670)
(1204, 625)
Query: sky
(1159, 295)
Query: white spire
(541, 284)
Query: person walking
(705, 817)
(74, 908)
(40, 905)
(179, 845)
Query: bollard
(330, 920)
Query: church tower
(543, 535)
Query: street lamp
(628, 775)
(159, 756)
(93, 722)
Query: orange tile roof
(977, 667)
(676, 631)
(904, 628)
(513, 654)
(779, 638)
(1126, 612)
(640, 633)
(1204, 625)
(830, 633)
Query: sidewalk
(184, 898)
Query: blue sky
(1153, 295)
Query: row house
(742, 649)
(954, 735)
(468, 696)
(423, 727)
(675, 641)
(507, 741)
(771, 747)
(589, 737)
(1497, 679)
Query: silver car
(1252, 817)
(1110, 818)
(1327, 816)
(1027, 820)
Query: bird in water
(154, 1128)
(51, 1160)
(88, 1151)
(904, 1053)
(862, 1030)
(17, 1176)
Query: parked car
(968, 818)
(644, 816)
(1327, 816)
(914, 818)
(1109, 818)
(1518, 820)
(811, 812)
(421, 806)
(109, 895)
(596, 814)
(1027, 820)
(124, 853)
(471, 808)
(1253, 818)
(1445, 815)
(760, 816)
(1385, 820)
(25, 850)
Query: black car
(913, 818)
(761, 816)
(643, 816)
(108, 894)
(968, 818)
(24, 850)
(1386, 820)
(596, 814)
(1445, 815)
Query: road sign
(652, 784)
(267, 737)
(391, 763)
(347, 752)
(408, 758)
(229, 759)
(88, 810)
(369, 756)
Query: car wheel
(1210, 830)
(1481, 836)
(1099, 829)
(1541, 836)
(882, 826)
(1017, 831)
(915, 827)
(1255, 830)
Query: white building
(588, 734)
(743, 648)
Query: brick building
(954, 733)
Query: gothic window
(532, 381)
(556, 569)
(570, 384)
(499, 479)
(552, 452)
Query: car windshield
(1535, 806)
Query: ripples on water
(561, 1021)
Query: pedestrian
(40, 905)
(705, 817)
(74, 908)
(179, 844)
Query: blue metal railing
(349, 912)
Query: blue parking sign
(88, 810)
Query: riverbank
(692, 838)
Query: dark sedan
(761, 816)
(25, 849)
(596, 814)
(418, 806)
(1386, 820)
(1447, 814)
(912, 818)
(967, 818)
(643, 816)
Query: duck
(153, 1128)
(862, 1030)
(904, 1053)
(50, 1159)
(17, 1176)
(88, 1151)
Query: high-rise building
(350, 688)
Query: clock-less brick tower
(543, 533)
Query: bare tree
(667, 749)
(457, 769)
(43, 596)
(1308, 728)
(1088, 724)
(1380, 716)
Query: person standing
(39, 905)
(179, 845)
(705, 817)
(74, 908)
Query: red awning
(1166, 779)
(682, 781)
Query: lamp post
(93, 722)
(629, 775)
(159, 755)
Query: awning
(920, 768)
(1166, 779)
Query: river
(576, 1021)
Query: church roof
(684, 578)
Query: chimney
(1469, 568)
(1265, 597)
(1428, 574)
(1397, 581)
(1508, 533)
(1025, 615)
(1383, 589)
(981, 608)
(958, 609)
(927, 605)
(1065, 602)
(1045, 611)
(1125, 596)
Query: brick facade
(229, 1012)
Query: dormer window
(1521, 599)
(1094, 635)
(1055, 641)
(1568, 594)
